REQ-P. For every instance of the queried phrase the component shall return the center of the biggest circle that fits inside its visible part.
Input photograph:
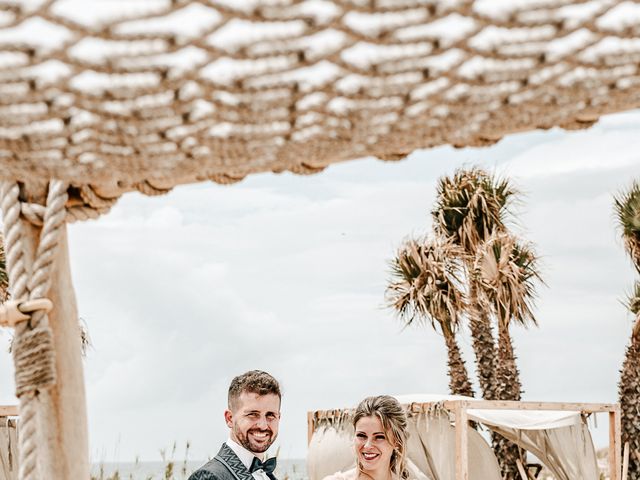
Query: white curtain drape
(560, 439)
(432, 447)
(568, 452)
(330, 451)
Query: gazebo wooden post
(63, 451)
(615, 450)
(462, 441)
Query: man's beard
(245, 441)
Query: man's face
(254, 421)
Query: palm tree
(508, 273)
(424, 287)
(473, 207)
(470, 206)
(627, 207)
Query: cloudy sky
(287, 274)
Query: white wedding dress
(414, 474)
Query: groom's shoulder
(212, 470)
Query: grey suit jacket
(225, 466)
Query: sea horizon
(288, 469)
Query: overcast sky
(287, 274)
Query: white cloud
(599, 148)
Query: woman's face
(372, 445)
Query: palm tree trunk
(483, 344)
(459, 383)
(508, 387)
(629, 393)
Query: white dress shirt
(246, 457)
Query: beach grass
(172, 469)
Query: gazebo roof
(122, 95)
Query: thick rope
(13, 237)
(34, 361)
(54, 217)
(33, 345)
(93, 200)
(35, 213)
(147, 188)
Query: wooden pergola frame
(460, 409)
(8, 410)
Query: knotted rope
(91, 210)
(33, 349)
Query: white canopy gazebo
(101, 98)
(444, 446)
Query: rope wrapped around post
(33, 350)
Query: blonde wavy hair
(394, 422)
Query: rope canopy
(120, 95)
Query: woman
(380, 440)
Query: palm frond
(471, 205)
(508, 273)
(627, 209)
(424, 284)
(633, 301)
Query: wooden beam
(8, 410)
(498, 405)
(462, 443)
(514, 405)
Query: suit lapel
(230, 460)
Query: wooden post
(522, 470)
(625, 461)
(462, 442)
(63, 450)
(615, 429)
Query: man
(253, 415)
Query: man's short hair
(254, 381)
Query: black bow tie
(268, 466)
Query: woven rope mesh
(118, 94)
